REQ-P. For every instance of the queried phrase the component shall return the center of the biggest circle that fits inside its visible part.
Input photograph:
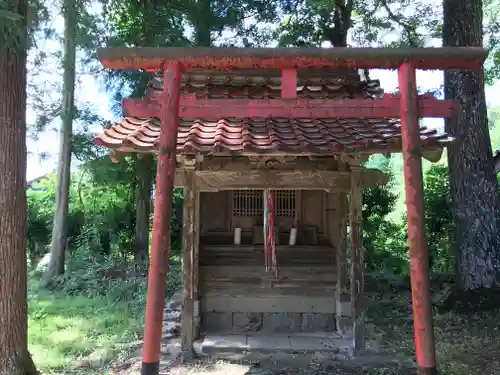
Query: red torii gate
(407, 106)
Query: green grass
(79, 334)
(89, 322)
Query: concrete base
(251, 346)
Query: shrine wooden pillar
(342, 317)
(190, 314)
(196, 265)
(160, 244)
(357, 259)
(419, 264)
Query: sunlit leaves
(372, 22)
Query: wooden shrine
(269, 146)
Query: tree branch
(410, 30)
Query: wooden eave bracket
(189, 161)
(354, 160)
(432, 155)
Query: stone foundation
(267, 322)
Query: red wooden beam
(215, 109)
(419, 261)
(150, 58)
(160, 244)
(289, 83)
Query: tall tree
(59, 229)
(359, 23)
(14, 356)
(470, 159)
(154, 24)
(144, 163)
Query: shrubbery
(100, 259)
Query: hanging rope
(269, 232)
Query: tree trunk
(14, 356)
(470, 159)
(144, 167)
(60, 229)
(202, 20)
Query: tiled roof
(318, 136)
(268, 135)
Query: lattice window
(251, 203)
(285, 203)
(248, 203)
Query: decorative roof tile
(267, 135)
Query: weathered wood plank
(283, 162)
(188, 250)
(357, 261)
(215, 211)
(276, 303)
(296, 179)
(261, 288)
(196, 263)
(341, 263)
(287, 273)
(307, 250)
(291, 58)
(243, 291)
(257, 259)
(284, 179)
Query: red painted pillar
(419, 264)
(160, 244)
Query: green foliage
(386, 251)
(12, 26)
(438, 219)
(111, 278)
(360, 23)
(494, 125)
(385, 238)
(491, 22)
(101, 218)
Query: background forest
(100, 212)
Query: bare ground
(466, 344)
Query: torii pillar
(160, 244)
(417, 243)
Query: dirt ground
(465, 344)
(271, 366)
